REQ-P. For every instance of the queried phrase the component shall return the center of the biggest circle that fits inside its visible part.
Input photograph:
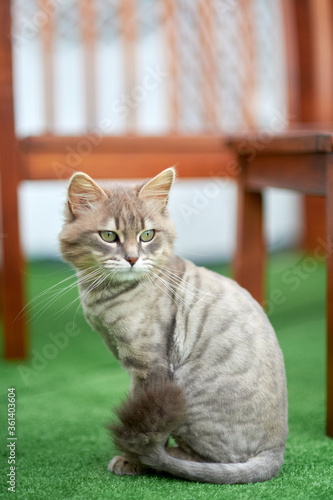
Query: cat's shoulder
(210, 281)
(204, 273)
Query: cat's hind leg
(121, 466)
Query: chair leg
(314, 221)
(12, 283)
(329, 225)
(249, 262)
(12, 278)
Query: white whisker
(48, 296)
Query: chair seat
(295, 141)
(294, 160)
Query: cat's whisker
(36, 297)
(44, 292)
(187, 284)
(174, 293)
(47, 301)
(65, 308)
(181, 283)
(176, 281)
(94, 284)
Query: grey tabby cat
(204, 361)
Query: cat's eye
(147, 235)
(108, 236)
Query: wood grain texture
(303, 173)
(314, 209)
(12, 288)
(129, 36)
(321, 16)
(125, 157)
(294, 142)
(89, 35)
(250, 258)
(170, 29)
(47, 61)
(291, 60)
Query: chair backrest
(214, 65)
(213, 59)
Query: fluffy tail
(149, 417)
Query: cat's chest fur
(135, 324)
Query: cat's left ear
(83, 193)
(157, 189)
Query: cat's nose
(132, 260)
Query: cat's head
(122, 231)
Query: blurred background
(52, 94)
(126, 88)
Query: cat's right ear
(83, 193)
(157, 189)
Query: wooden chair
(301, 159)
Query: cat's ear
(83, 193)
(157, 189)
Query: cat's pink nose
(132, 260)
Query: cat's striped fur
(204, 361)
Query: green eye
(147, 235)
(108, 236)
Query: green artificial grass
(66, 390)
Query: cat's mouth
(125, 272)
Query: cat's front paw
(122, 467)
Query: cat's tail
(146, 420)
(262, 467)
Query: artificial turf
(66, 390)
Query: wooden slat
(209, 78)
(321, 16)
(47, 38)
(170, 25)
(302, 173)
(145, 143)
(304, 31)
(129, 34)
(248, 62)
(127, 166)
(291, 59)
(12, 292)
(88, 20)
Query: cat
(204, 362)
